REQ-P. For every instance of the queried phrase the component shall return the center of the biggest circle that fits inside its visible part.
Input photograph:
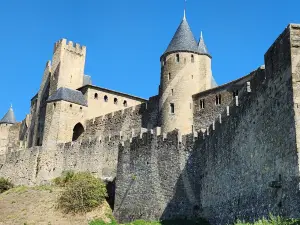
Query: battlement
(70, 46)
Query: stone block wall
(205, 113)
(244, 166)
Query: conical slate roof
(9, 117)
(183, 39)
(202, 49)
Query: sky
(125, 39)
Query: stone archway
(78, 130)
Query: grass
(273, 220)
(142, 222)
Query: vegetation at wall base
(273, 220)
(83, 192)
(5, 185)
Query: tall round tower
(185, 71)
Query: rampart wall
(244, 166)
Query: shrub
(83, 193)
(5, 185)
(64, 178)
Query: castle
(194, 150)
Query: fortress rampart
(244, 166)
(239, 159)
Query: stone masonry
(194, 150)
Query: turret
(9, 117)
(185, 71)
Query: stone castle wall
(244, 166)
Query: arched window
(115, 101)
(78, 130)
(177, 57)
(192, 58)
(125, 103)
(96, 96)
(105, 98)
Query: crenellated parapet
(70, 46)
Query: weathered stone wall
(4, 131)
(244, 166)
(126, 123)
(204, 116)
(39, 165)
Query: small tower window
(172, 92)
(96, 96)
(115, 101)
(202, 104)
(192, 58)
(105, 98)
(169, 76)
(125, 103)
(218, 100)
(192, 77)
(177, 57)
(172, 108)
(71, 105)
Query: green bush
(5, 185)
(64, 178)
(83, 193)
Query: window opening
(172, 108)
(177, 57)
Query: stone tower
(67, 65)
(185, 70)
(5, 123)
(66, 105)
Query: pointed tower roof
(202, 49)
(183, 39)
(9, 117)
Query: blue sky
(125, 39)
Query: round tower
(185, 71)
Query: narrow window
(202, 104)
(115, 101)
(71, 105)
(235, 93)
(177, 57)
(218, 100)
(192, 58)
(169, 76)
(80, 108)
(125, 103)
(96, 96)
(172, 91)
(172, 108)
(105, 98)
(192, 77)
